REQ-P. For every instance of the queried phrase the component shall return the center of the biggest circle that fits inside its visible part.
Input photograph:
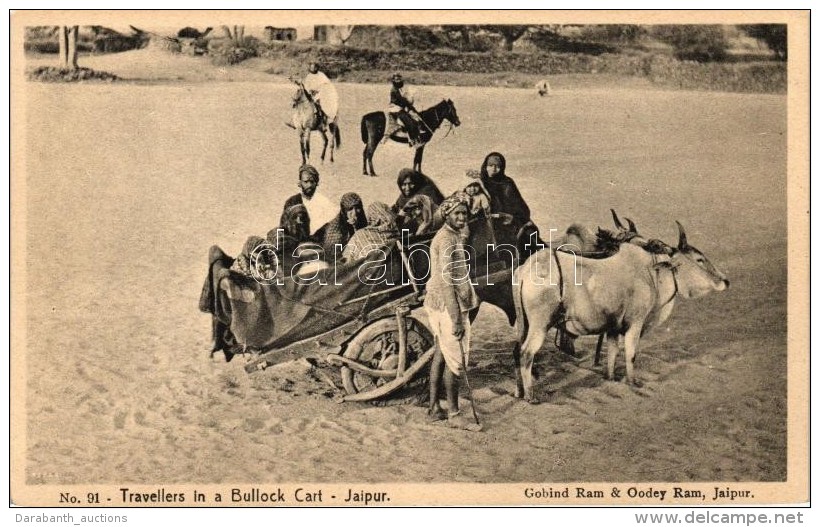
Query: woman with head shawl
(340, 229)
(513, 225)
(479, 198)
(421, 215)
(381, 229)
(449, 298)
(293, 232)
(412, 183)
(255, 260)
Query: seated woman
(340, 229)
(412, 183)
(421, 215)
(292, 242)
(512, 225)
(255, 260)
(381, 229)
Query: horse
(374, 124)
(307, 118)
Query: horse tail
(364, 129)
(337, 134)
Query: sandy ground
(128, 185)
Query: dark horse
(373, 127)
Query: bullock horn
(616, 220)
(682, 239)
(632, 227)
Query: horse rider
(322, 91)
(401, 112)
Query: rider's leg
(321, 112)
(391, 127)
(410, 127)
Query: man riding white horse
(322, 91)
(402, 115)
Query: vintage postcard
(359, 258)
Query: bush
(53, 46)
(233, 53)
(434, 66)
(418, 37)
(548, 40)
(52, 74)
(615, 33)
(741, 77)
(773, 35)
(700, 43)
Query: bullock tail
(521, 322)
(521, 328)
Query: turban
(453, 202)
(310, 170)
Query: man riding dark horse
(402, 114)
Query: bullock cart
(365, 327)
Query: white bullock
(626, 294)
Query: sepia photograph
(409, 258)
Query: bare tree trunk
(73, 33)
(62, 37)
(465, 37)
(67, 36)
(344, 33)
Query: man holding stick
(449, 299)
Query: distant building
(280, 33)
(332, 34)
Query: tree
(460, 33)
(344, 33)
(773, 35)
(67, 36)
(509, 32)
(701, 43)
(238, 35)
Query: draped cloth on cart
(265, 316)
(246, 313)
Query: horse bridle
(450, 128)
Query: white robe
(320, 210)
(325, 93)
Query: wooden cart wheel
(377, 347)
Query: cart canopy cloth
(264, 316)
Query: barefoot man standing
(449, 299)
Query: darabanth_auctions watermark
(375, 264)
